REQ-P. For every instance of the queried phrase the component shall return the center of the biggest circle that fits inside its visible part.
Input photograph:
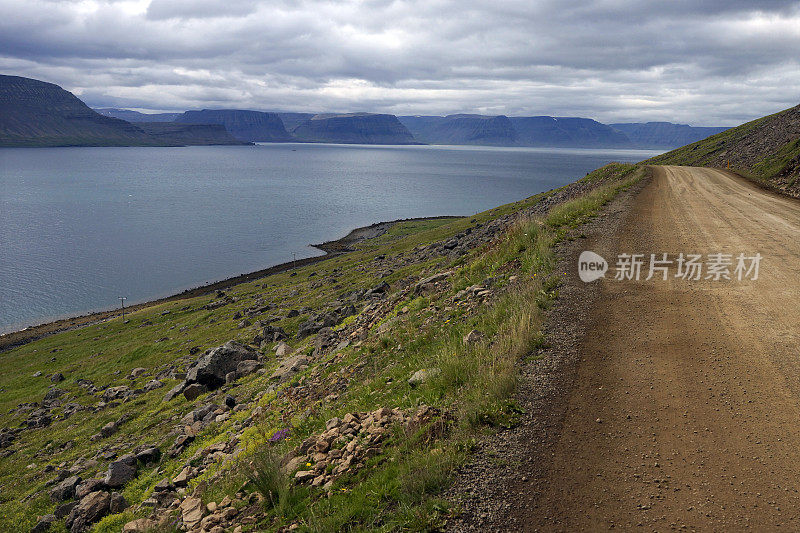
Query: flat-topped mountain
(354, 128)
(36, 113)
(567, 132)
(462, 129)
(135, 116)
(190, 134)
(250, 126)
(664, 134)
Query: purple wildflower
(279, 435)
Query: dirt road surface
(685, 409)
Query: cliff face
(664, 134)
(250, 126)
(354, 128)
(36, 113)
(567, 132)
(135, 116)
(514, 131)
(190, 134)
(463, 129)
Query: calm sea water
(81, 226)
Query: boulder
(211, 368)
(120, 471)
(58, 377)
(44, 523)
(109, 429)
(136, 372)
(175, 391)
(282, 349)
(289, 366)
(90, 509)
(194, 391)
(89, 486)
(53, 393)
(153, 384)
(248, 367)
(140, 525)
(118, 503)
(191, 512)
(65, 490)
(116, 393)
(63, 510)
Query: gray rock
(53, 393)
(44, 523)
(37, 373)
(91, 509)
(136, 372)
(109, 429)
(421, 376)
(194, 391)
(65, 490)
(248, 367)
(289, 367)
(118, 503)
(153, 384)
(120, 472)
(282, 349)
(175, 391)
(211, 368)
(116, 393)
(58, 377)
(148, 455)
(63, 510)
(89, 486)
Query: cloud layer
(703, 63)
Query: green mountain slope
(36, 113)
(766, 149)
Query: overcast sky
(697, 62)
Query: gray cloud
(701, 62)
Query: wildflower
(279, 435)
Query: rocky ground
(323, 371)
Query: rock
(118, 503)
(116, 393)
(245, 368)
(182, 479)
(89, 486)
(44, 523)
(63, 510)
(191, 512)
(211, 368)
(148, 455)
(194, 391)
(120, 472)
(270, 334)
(58, 377)
(424, 283)
(243, 324)
(90, 509)
(175, 391)
(109, 429)
(472, 337)
(282, 349)
(304, 475)
(136, 372)
(289, 366)
(421, 376)
(37, 374)
(140, 525)
(53, 393)
(153, 384)
(65, 490)
(230, 401)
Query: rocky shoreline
(331, 248)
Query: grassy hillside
(766, 149)
(342, 439)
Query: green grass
(401, 487)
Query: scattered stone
(121, 471)
(118, 503)
(282, 349)
(116, 393)
(210, 370)
(89, 486)
(44, 523)
(153, 384)
(109, 429)
(136, 372)
(37, 373)
(58, 377)
(421, 376)
(191, 512)
(473, 336)
(140, 525)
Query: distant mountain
(292, 120)
(514, 131)
(354, 128)
(250, 126)
(462, 129)
(135, 116)
(567, 132)
(767, 149)
(664, 134)
(190, 134)
(36, 113)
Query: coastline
(331, 249)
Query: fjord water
(81, 226)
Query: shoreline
(331, 249)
